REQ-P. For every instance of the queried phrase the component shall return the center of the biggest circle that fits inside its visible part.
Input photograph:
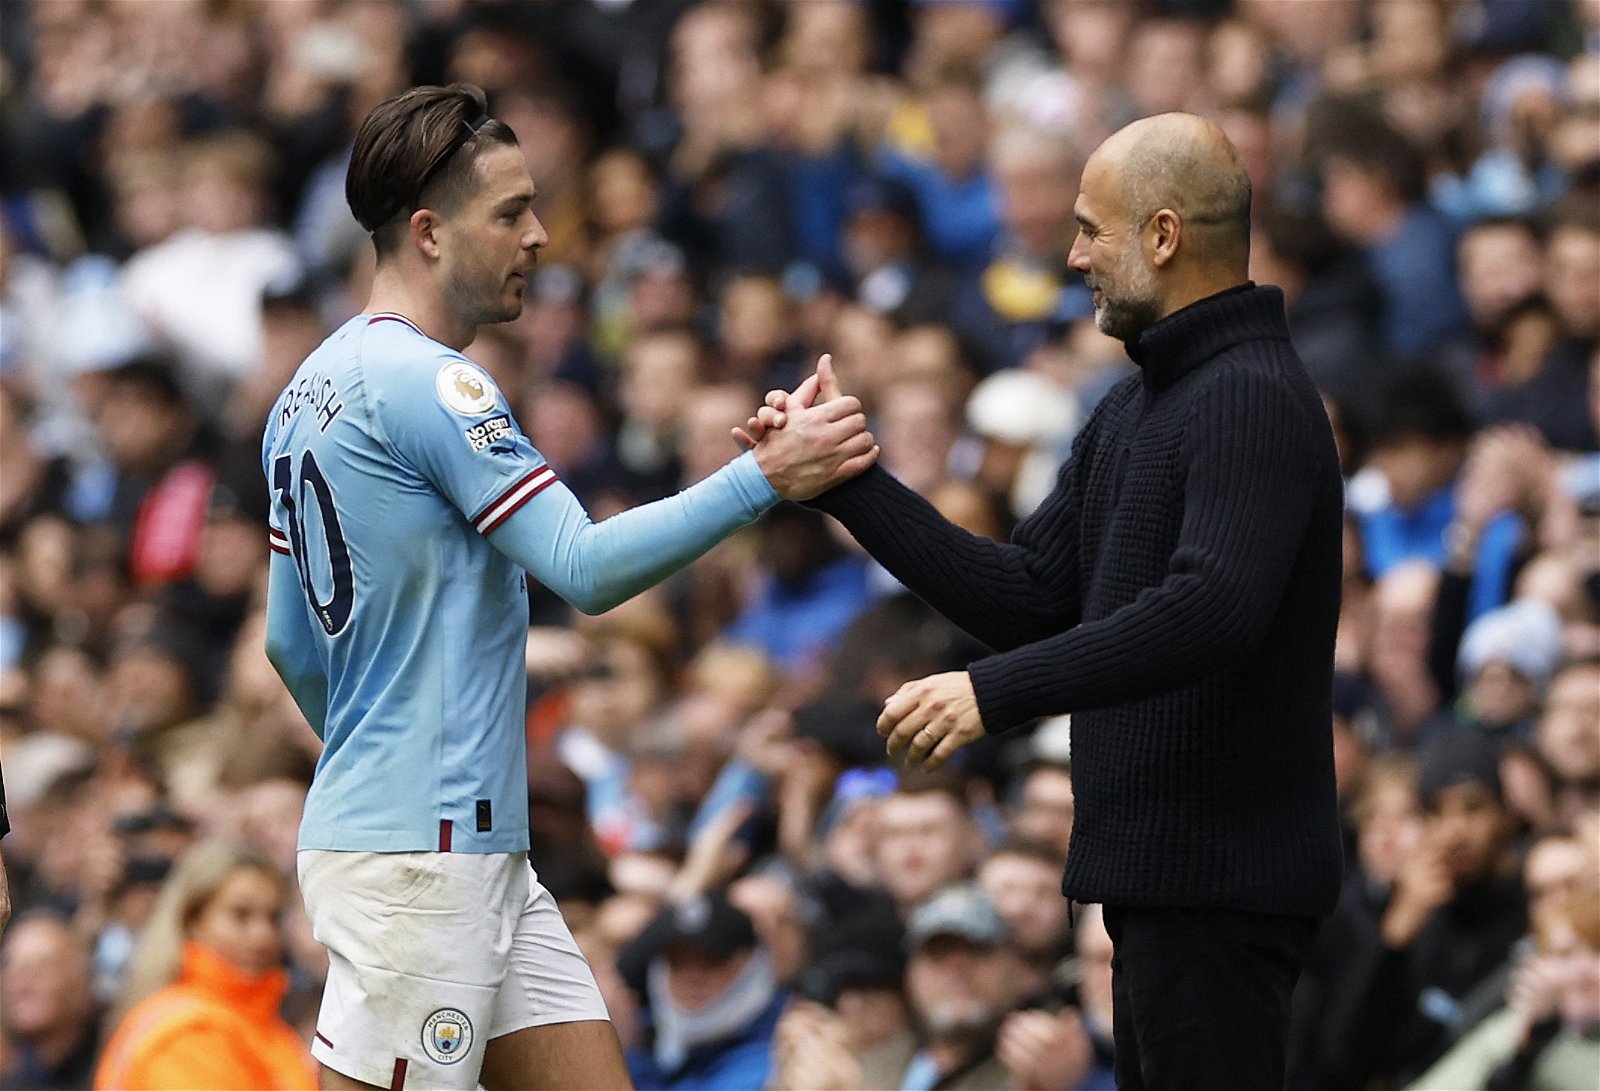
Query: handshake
(806, 442)
(810, 440)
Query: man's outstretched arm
(1248, 498)
(595, 566)
(492, 473)
(1004, 594)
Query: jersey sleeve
(277, 540)
(291, 645)
(596, 566)
(445, 418)
(452, 426)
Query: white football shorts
(430, 956)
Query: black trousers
(1201, 996)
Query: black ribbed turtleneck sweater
(1178, 594)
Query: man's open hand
(928, 720)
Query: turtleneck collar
(1187, 338)
(207, 971)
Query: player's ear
(424, 228)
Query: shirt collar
(1190, 336)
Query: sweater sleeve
(1003, 594)
(1248, 496)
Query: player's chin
(510, 305)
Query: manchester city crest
(447, 1035)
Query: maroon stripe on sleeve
(521, 481)
(509, 512)
(444, 835)
(323, 1038)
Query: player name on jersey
(316, 392)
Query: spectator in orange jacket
(200, 1005)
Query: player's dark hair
(417, 150)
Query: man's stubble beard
(480, 307)
(1136, 307)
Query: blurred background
(732, 187)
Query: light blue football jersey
(406, 505)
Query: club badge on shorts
(465, 389)
(447, 1035)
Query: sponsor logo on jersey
(480, 436)
(447, 1035)
(465, 389)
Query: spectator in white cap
(1026, 423)
(1507, 658)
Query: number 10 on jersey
(334, 612)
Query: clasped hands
(813, 444)
(927, 720)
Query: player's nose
(536, 237)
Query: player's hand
(928, 720)
(773, 413)
(818, 446)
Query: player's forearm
(306, 684)
(290, 647)
(595, 566)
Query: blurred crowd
(730, 188)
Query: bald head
(1163, 217)
(1185, 163)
